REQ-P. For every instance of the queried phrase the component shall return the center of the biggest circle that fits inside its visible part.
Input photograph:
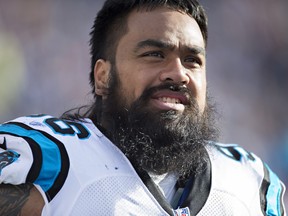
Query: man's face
(154, 106)
(162, 46)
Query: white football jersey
(80, 172)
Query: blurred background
(44, 66)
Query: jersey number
(68, 128)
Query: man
(143, 147)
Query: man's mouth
(169, 100)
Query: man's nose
(175, 72)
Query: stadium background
(44, 66)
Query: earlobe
(101, 75)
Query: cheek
(131, 87)
(134, 80)
(202, 92)
(198, 86)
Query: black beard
(160, 141)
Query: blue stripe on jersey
(274, 194)
(51, 155)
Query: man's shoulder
(231, 162)
(235, 160)
(49, 125)
(231, 151)
(47, 132)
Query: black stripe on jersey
(268, 180)
(158, 195)
(37, 160)
(197, 188)
(264, 189)
(3, 145)
(60, 179)
(282, 197)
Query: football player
(147, 146)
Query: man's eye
(153, 54)
(196, 62)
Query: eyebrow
(196, 50)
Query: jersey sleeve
(30, 152)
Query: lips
(170, 100)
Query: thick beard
(160, 141)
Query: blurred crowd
(44, 66)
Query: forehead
(166, 25)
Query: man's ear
(101, 76)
